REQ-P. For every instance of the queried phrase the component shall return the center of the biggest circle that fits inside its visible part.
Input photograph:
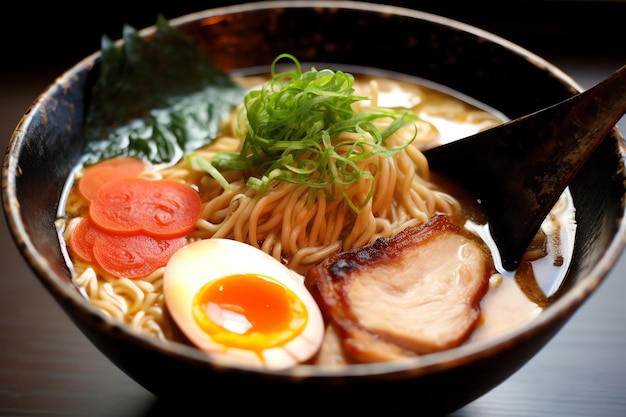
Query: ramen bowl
(49, 141)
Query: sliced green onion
(297, 114)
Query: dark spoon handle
(518, 170)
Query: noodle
(286, 222)
(283, 215)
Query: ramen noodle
(281, 221)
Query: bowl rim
(464, 354)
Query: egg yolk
(249, 311)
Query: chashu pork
(412, 294)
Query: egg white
(203, 261)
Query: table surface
(49, 368)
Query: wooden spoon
(518, 170)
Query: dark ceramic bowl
(48, 142)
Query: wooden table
(47, 367)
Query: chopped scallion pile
(292, 129)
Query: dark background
(52, 33)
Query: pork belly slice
(412, 294)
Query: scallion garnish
(292, 132)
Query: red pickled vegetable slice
(133, 256)
(81, 240)
(161, 209)
(108, 170)
(172, 209)
(122, 256)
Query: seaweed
(155, 98)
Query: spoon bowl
(518, 170)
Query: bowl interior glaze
(48, 142)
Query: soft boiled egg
(235, 301)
